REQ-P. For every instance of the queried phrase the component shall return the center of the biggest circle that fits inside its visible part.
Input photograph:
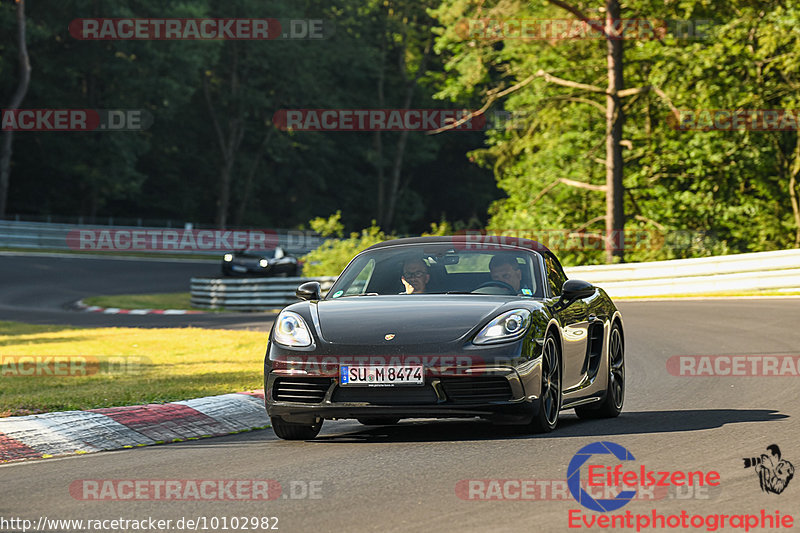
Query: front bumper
(498, 395)
(245, 270)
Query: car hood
(412, 319)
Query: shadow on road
(663, 421)
(629, 423)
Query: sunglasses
(413, 275)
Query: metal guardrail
(725, 273)
(35, 235)
(52, 236)
(249, 294)
(736, 273)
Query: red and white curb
(113, 428)
(117, 311)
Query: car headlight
(291, 330)
(506, 327)
(227, 257)
(263, 263)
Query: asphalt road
(40, 288)
(404, 478)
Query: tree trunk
(402, 142)
(795, 208)
(19, 95)
(229, 146)
(248, 181)
(224, 198)
(379, 150)
(615, 211)
(794, 170)
(397, 169)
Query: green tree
(721, 188)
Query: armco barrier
(34, 235)
(249, 294)
(725, 273)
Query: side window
(361, 281)
(555, 276)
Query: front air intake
(476, 389)
(303, 390)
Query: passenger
(415, 276)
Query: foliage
(693, 192)
(696, 192)
(278, 178)
(332, 256)
(328, 227)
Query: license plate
(238, 268)
(381, 376)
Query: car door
(574, 328)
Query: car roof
(465, 240)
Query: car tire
(611, 405)
(292, 431)
(378, 421)
(549, 405)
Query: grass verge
(171, 300)
(136, 366)
(174, 300)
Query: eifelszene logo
(618, 477)
(774, 473)
(574, 477)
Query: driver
(505, 268)
(415, 276)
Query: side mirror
(576, 289)
(309, 291)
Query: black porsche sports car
(446, 327)
(274, 262)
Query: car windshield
(276, 253)
(441, 269)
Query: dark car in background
(261, 263)
(464, 343)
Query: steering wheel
(496, 283)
